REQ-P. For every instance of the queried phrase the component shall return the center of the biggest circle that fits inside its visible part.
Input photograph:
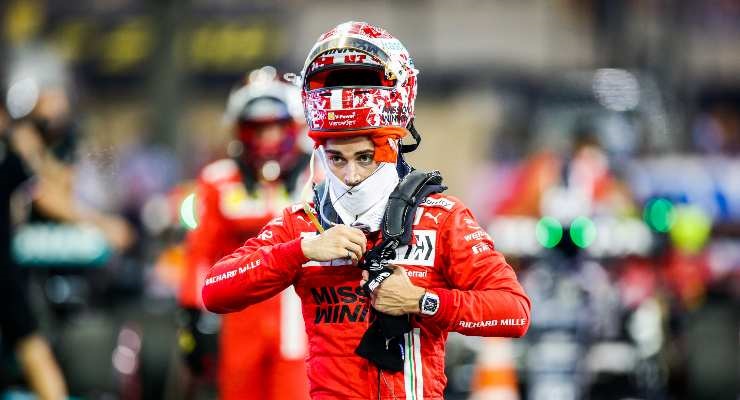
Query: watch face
(430, 304)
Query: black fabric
(404, 200)
(385, 352)
(383, 342)
(16, 318)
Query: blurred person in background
(19, 333)
(262, 349)
(359, 87)
(40, 100)
(41, 135)
(581, 177)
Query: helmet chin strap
(408, 148)
(402, 166)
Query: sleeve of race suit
(263, 267)
(486, 298)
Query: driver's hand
(339, 241)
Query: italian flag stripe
(412, 367)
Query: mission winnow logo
(340, 304)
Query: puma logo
(434, 217)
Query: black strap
(383, 342)
(408, 148)
(403, 202)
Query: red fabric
(452, 256)
(250, 365)
(384, 152)
(250, 362)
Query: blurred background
(599, 140)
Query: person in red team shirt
(359, 85)
(263, 347)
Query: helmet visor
(352, 75)
(346, 44)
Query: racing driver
(358, 90)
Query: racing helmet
(359, 80)
(265, 100)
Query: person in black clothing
(18, 326)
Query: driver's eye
(336, 160)
(365, 159)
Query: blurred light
(691, 229)
(208, 323)
(582, 232)
(187, 212)
(22, 97)
(186, 341)
(60, 245)
(515, 235)
(548, 232)
(124, 360)
(58, 289)
(271, 170)
(127, 45)
(616, 89)
(156, 214)
(22, 21)
(644, 325)
(611, 357)
(659, 215)
(130, 338)
(235, 148)
(265, 74)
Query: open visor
(348, 75)
(343, 51)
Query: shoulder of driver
(218, 171)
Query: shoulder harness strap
(399, 216)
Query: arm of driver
(485, 298)
(263, 267)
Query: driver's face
(269, 135)
(265, 139)
(351, 160)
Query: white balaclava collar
(362, 205)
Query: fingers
(357, 236)
(354, 249)
(365, 277)
(352, 234)
(337, 242)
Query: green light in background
(659, 215)
(548, 232)
(187, 212)
(582, 232)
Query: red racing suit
(450, 255)
(264, 345)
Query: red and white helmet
(358, 80)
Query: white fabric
(362, 205)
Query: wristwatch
(429, 304)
